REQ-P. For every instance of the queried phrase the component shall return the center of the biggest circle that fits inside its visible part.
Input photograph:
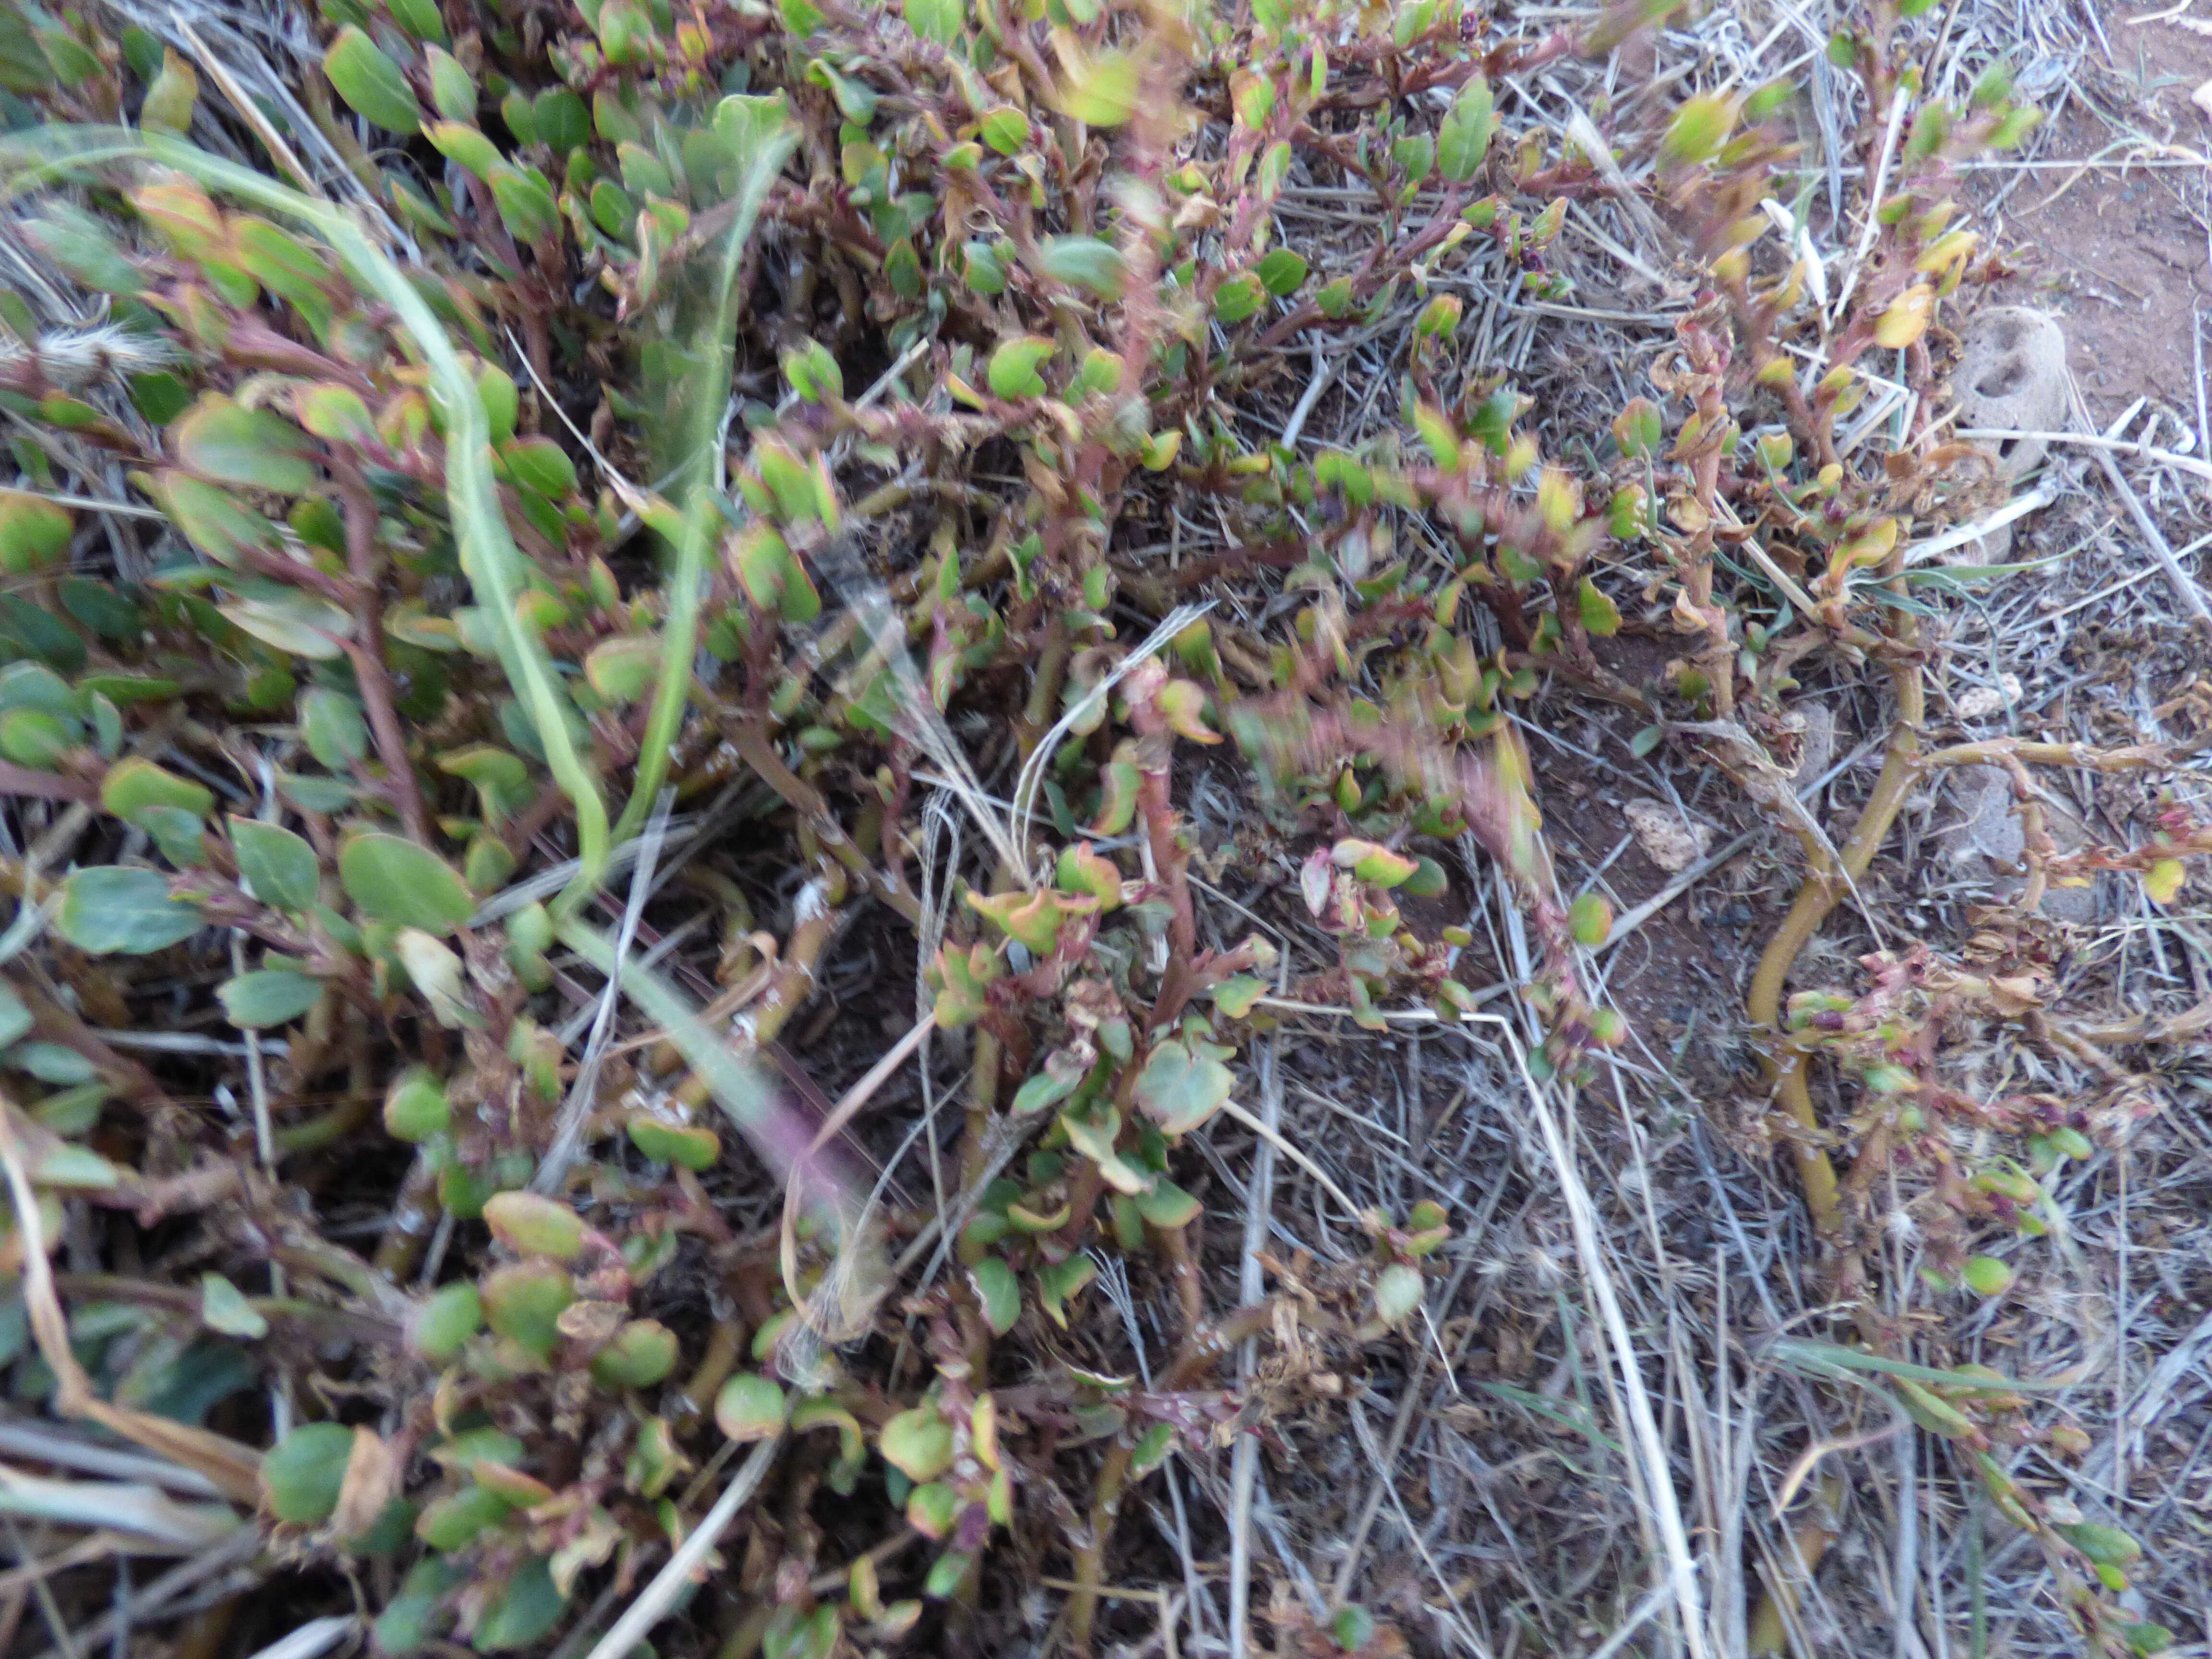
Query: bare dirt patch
(2106, 228)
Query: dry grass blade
(1597, 1276)
(233, 1469)
(660, 1594)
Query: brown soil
(2120, 252)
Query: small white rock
(1667, 841)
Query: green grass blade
(699, 407)
(493, 563)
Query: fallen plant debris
(532, 554)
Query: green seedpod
(2072, 1143)
(530, 1224)
(1590, 919)
(689, 1146)
(304, 1473)
(447, 1319)
(1932, 1413)
(414, 1107)
(643, 1353)
(1986, 1276)
(1398, 1289)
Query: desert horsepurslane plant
(526, 478)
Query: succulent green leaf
(227, 443)
(1100, 90)
(688, 1146)
(132, 786)
(280, 867)
(623, 669)
(940, 20)
(15, 1020)
(563, 122)
(268, 997)
(525, 202)
(414, 1106)
(918, 1442)
(371, 83)
(1463, 139)
(299, 624)
(452, 1314)
(541, 465)
(1087, 263)
(35, 533)
(1014, 364)
(32, 738)
(461, 142)
(452, 1523)
(531, 1225)
(1181, 1089)
(223, 1307)
(750, 1407)
(1699, 127)
(81, 244)
(303, 1473)
(1060, 1282)
(211, 519)
(1397, 1292)
(1167, 1205)
(523, 1301)
(643, 1353)
(331, 723)
(337, 415)
(1281, 271)
(1238, 298)
(1004, 129)
(1600, 615)
(999, 1291)
(526, 1613)
(1152, 1449)
(394, 880)
(113, 909)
